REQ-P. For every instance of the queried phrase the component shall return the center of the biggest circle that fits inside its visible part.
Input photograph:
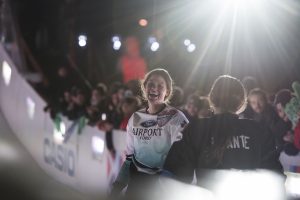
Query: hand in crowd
(91, 110)
(289, 137)
(105, 126)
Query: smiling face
(156, 89)
(95, 98)
(257, 103)
(192, 108)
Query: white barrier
(74, 162)
(290, 163)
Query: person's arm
(297, 135)
(123, 176)
(181, 159)
(269, 154)
(177, 125)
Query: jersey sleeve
(129, 137)
(123, 176)
(177, 125)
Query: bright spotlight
(97, 145)
(30, 107)
(236, 1)
(117, 45)
(82, 43)
(240, 3)
(191, 48)
(82, 37)
(82, 40)
(59, 135)
(154, 46)
(143, 22)
(115, 38)
(187, 42)
(6, 72)
(103, 117)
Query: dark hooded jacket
(222, 142)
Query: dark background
(267, 48)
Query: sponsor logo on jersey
(148, 123)
(164, 117)
(146, 133)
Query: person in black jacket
(223, 141)
(261, 110)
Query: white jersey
(149, 137)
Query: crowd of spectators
(110, 107)
(268, 109)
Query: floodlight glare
(82, 40)
(117, 45)
(143, 22)
(187, 42)
(249, 185)
(82, 43)
(236, 1)
(115, 38)
(103, 117)
(154, 46)
(191, 48)
(82, 37)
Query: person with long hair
(223, 141)
(150, 133)
(261, 110)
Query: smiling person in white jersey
(150, 133)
